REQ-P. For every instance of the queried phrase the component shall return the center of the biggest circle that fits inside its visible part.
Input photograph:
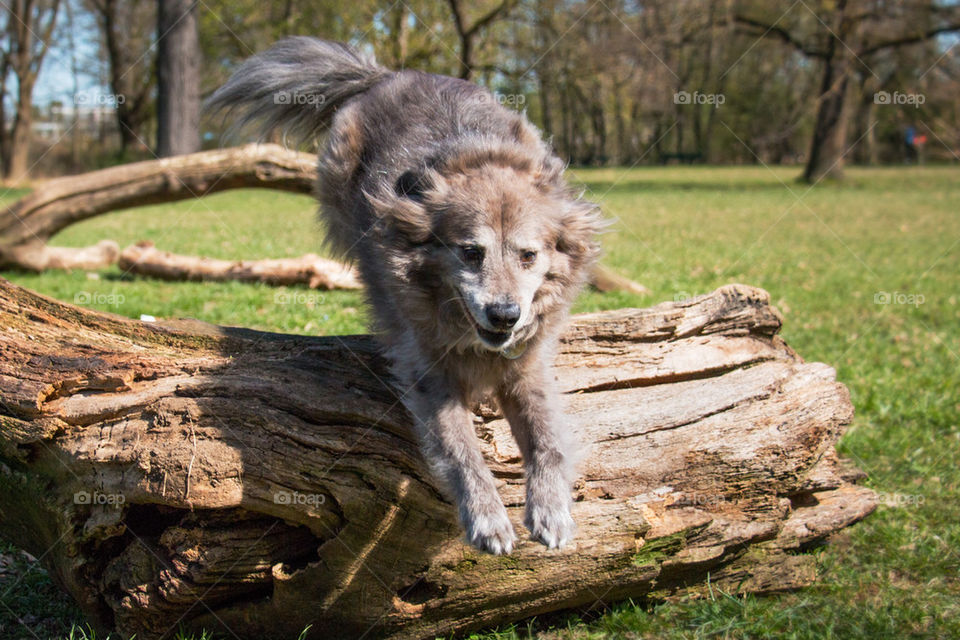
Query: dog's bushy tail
(297, 86)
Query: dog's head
(509, 242)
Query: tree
(840, 34)
(29, 26)
(126, 31)
(468, 33)
(405, 40)
(178, 78)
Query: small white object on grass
(145, 318)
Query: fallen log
(56, 204)
(603, 279)
(310, 270)
(27, 225)
(39, 257)
(255, 483)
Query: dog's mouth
(497, 341)
(494, 339)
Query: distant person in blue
(910, 144)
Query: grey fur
(420, 172)
(297, 85)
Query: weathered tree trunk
(178, 78)
(185, 473)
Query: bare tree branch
(765, 30)
(913, 38)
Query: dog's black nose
(503, 315)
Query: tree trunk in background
(4, 133)
(29, 26)
(178, 78)
(619, 125)
(546, 110)
(126, 28)
(598, 121)
(17, 163)
(399, 35)
(865, 148)
(563, 98)
(828, 145)
(864, 137)
(467, 35)
(466, 57)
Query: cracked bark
(265, 482)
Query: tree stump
(181, 473)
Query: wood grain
(270, 481)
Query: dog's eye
(472, 254)
(527, 258)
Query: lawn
(865, 274)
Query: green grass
(826, 260)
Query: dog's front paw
(490, 530)
(550, 524)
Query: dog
(471, 247)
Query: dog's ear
(404, 203)
(412, 185)
(580, 223)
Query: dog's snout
(503, 315)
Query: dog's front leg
(449, 444)
(531, 406)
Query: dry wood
(310, 270)
(28, 224)
(56, 204)
(603, 279)
(218, 477)
(40, 257)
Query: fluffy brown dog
(471, 247)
